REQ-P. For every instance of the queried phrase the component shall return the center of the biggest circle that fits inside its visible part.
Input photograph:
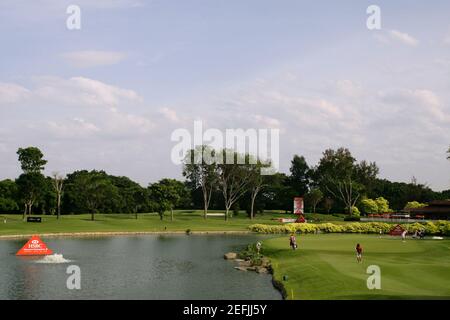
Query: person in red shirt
(359, 251)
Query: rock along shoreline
(264, 268)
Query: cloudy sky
(109, 96)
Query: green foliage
(31, 160)
(355, 211)
(438, 227)
(8, 205)
(414, 205)
(369, 206)
(300, 175)
(313, 197)
(383, 205)
(251, 254)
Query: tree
(313, 197)
(234, 178)
(328, 204)
(335, 174)
(300, 175)
(160, 199)
(8, 196)
(256, 183)
(31, 159)
(278, 192)
(366, 174)
(91, 191)
(201, 174)
(173, 192)
(58, 182)
(369, 206)
(31, 187)
(382, 205)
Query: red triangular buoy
(34, 247)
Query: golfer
(359, 251)
(293, 242)
(404, 235)
(258, 246)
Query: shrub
(414, 205)
(355, 211)
(369, 206)
(437, 227)
(382, 204)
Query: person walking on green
(359, 251)
(293, 242)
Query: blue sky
(109, 95)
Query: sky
(109, 95)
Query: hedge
(434, 228)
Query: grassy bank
(325, 267)
(183, 220)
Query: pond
(135, 267)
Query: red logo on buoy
(34, 247)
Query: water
(133, 267)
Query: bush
(437, 227)
(414, 205)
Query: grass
(183, 220)
(325, 267)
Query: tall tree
(313, 197)
(366, 174)
(201, 173)
(31, 187)
(58, 182)
(31, 159)
(8, 196)
(159, 198)
(256, 182)
(336, 174)
(234, 178)
(300, 175)
(31, 183)
(173, 191)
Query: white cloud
(170, 114)
(11, 93)
(403, 38)
(395, 36)
(93, 58)
(349, 88)
(81, 91)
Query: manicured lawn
(183, 220)
(325, 267)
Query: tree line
(338, 183)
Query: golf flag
(34, 247)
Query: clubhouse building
(435, 210)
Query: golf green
(324, 267)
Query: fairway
(325, 267)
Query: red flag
(34, 247)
